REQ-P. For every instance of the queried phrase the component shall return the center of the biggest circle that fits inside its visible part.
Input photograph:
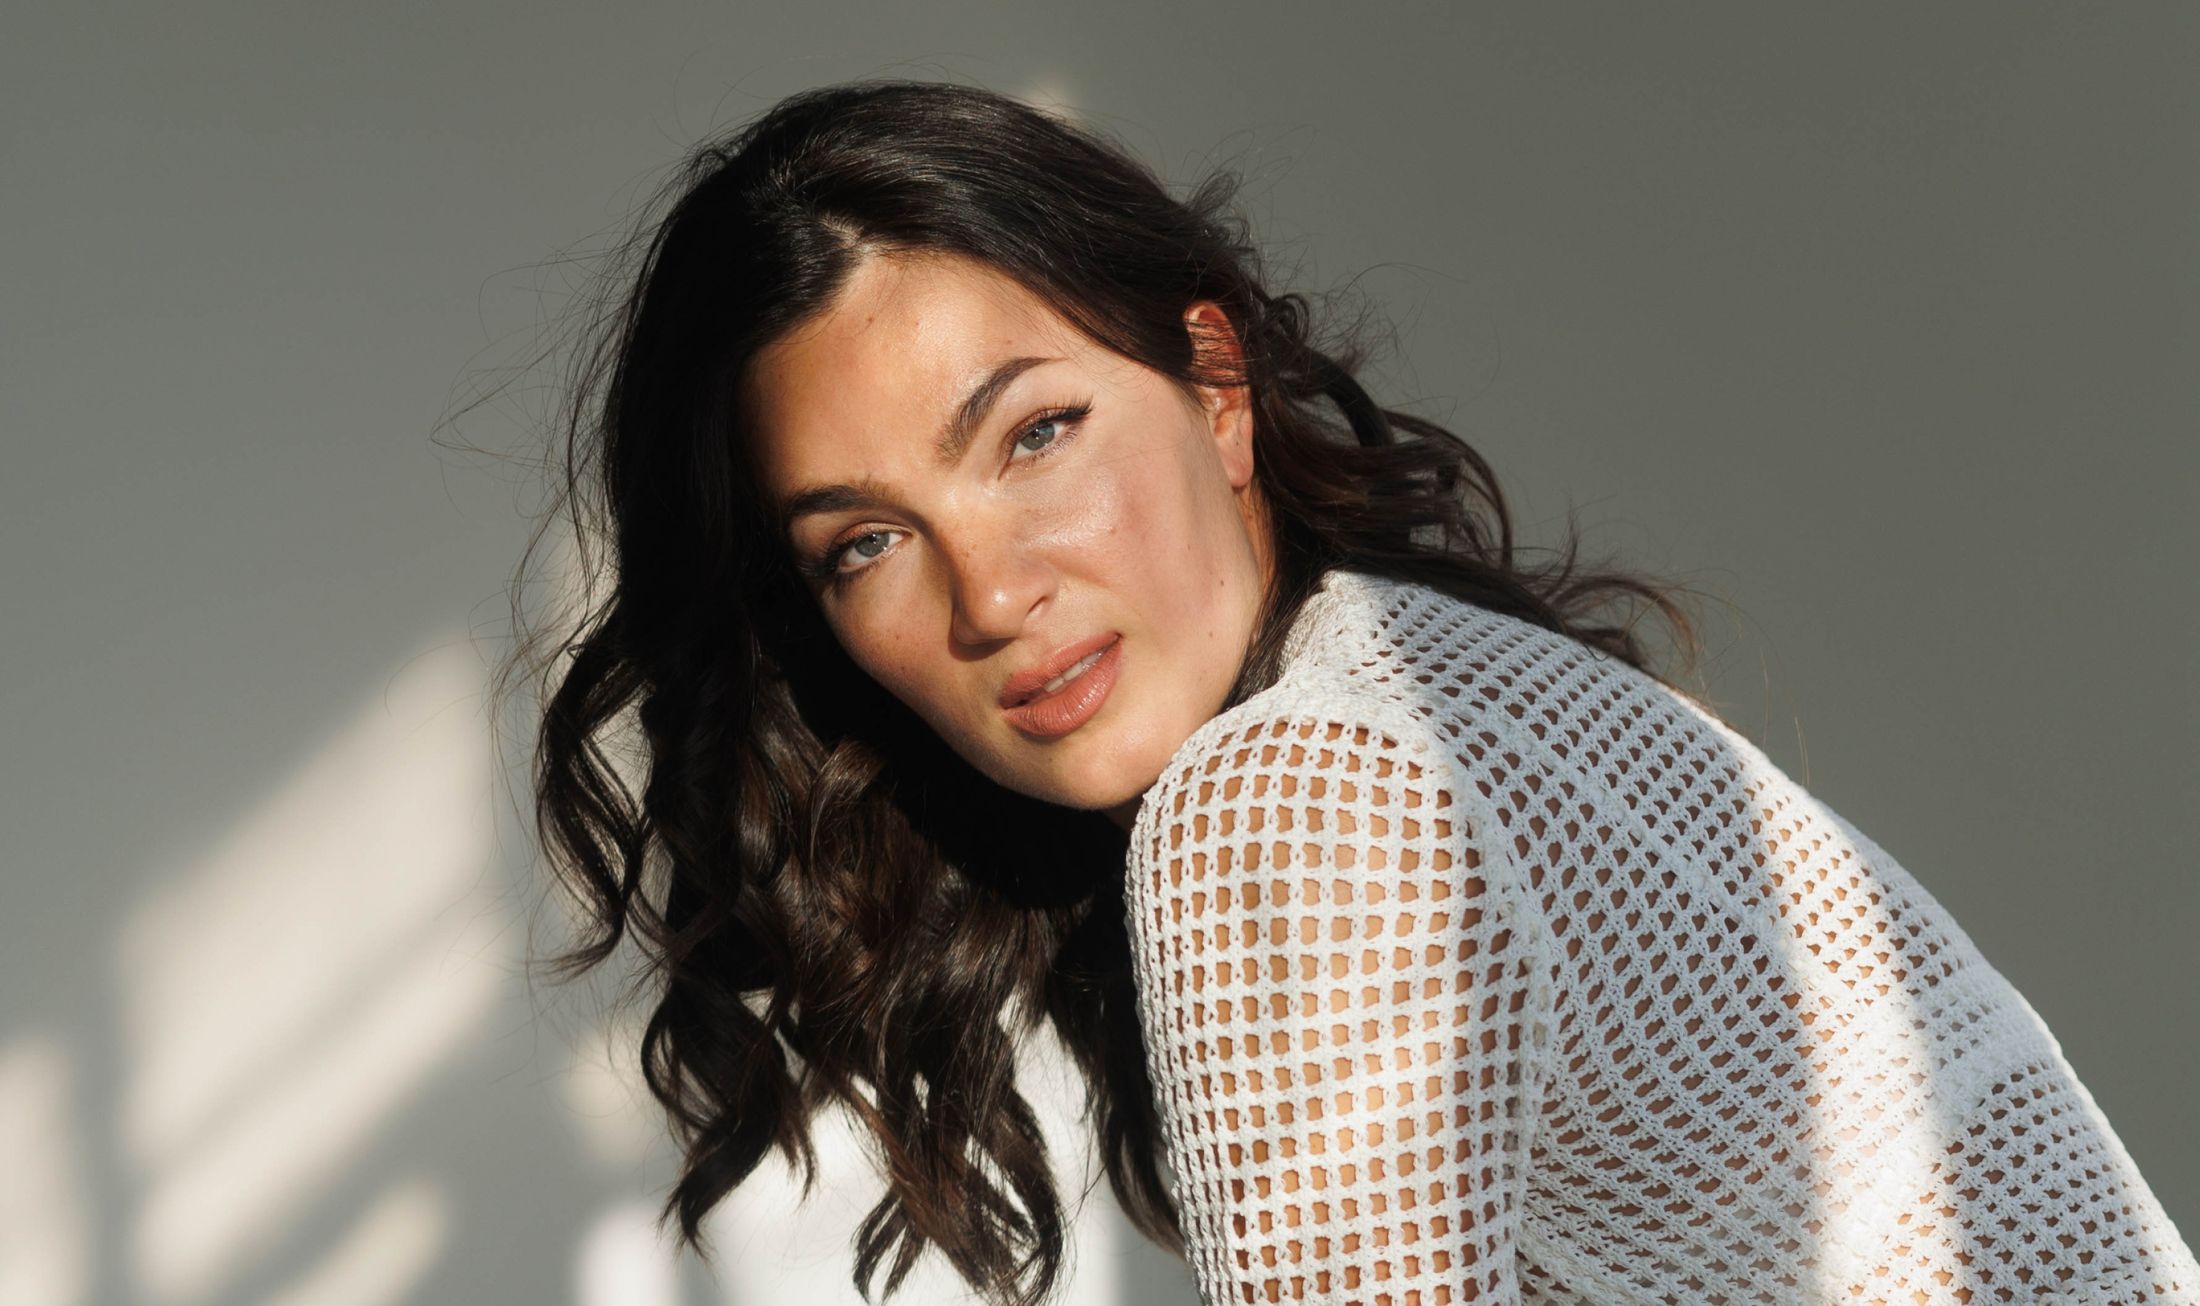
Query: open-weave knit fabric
(1475, 966)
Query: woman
(1025, 622)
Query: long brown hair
(823, 916)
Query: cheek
(1182, 520)
(1139, 504)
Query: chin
(1088, 788)
(1121, 783)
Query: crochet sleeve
(1339, 993)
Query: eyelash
(825, 566)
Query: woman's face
(990, 496)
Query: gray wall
(1877, 323)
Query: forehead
(894, 352)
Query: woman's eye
(1050, 431)
(866, 547)
(1043, 429)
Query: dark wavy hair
(822, 912)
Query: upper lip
(1024, 684)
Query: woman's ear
(1229, 408)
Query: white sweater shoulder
(1475, 966)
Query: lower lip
(1054, 715)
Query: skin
(1141, 518)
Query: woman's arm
(1341, 993)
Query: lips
(1072, 695)
(1027, 684)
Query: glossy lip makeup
(1052, 715)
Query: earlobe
(1234, 438)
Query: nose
(996, 581)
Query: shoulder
(1465, 669)
(1403, 701)
(1506, 694)
(1317, 830)
(1315, 771)
(1381, 678)
(1307, 732)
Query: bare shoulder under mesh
(1478, 967)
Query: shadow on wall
(282, 1003)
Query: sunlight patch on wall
(379, 1260)
(234, 962)
(45, 1241)
(624, 1261)
(283, 996)
(606, 1101)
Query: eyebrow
(948, 447)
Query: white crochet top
(1476, 966)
